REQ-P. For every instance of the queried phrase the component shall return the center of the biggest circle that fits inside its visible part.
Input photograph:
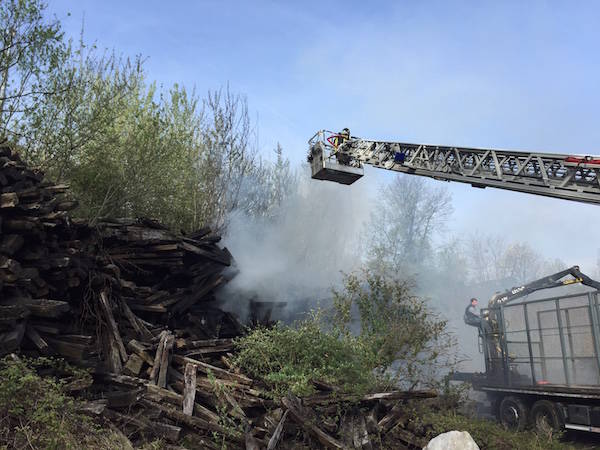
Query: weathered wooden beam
(391, 418)
(46, 308)
(123, 399)
(134, 365)
(92, 408)
(20, 225)
(148, 308)
(216, 371)
(302, 417)
(203, 352)
(158, 394)
(196, 422)
(70, 350)
(360, 435)
(326, 398)
(36, 339)
(9, 200)
(189, 392)
(138, 326)
(137, 348)
(409, 438)
(112, 325)
(169, 432)
(9, 314)
(158, 356)
(187, 344)
(276, 437)
(164, 361)
(11, 340)
(11, 243)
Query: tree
(227, 155)
(451, 263)
(486, 256)
(31, 48)
(126, 146)
(491, 258)
(555, 265)
(267, 187)
(522, 262)
(129, 149)
(408, 216)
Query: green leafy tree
(126, 146)
(31, 48)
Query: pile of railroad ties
(135, 304)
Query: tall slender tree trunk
(10, 35)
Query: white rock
(452, 440)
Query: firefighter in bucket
(337, 140)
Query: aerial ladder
(340, 157)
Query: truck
(542, 356)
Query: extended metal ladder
(553, 175)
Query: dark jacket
(471, 317)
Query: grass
(36, 413)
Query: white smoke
(301, 254)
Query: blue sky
(511, 74)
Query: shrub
(409, 344)
(289, 358)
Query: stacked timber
(166, 277)
(37, 263)
(79, 291)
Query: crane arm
(548, 282)
(569, 177)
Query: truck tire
(546, 414)
(512, 413)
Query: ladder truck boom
(340, 158)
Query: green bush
(408, 344)
(289, 358)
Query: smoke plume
(298, 256)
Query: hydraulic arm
(548, 282)
(338, 158)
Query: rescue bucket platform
(326, 166)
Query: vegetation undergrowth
(36, 413)
(490, 435)
(377, 335)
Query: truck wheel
(512, 413)
(546, 415)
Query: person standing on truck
(472, 316)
